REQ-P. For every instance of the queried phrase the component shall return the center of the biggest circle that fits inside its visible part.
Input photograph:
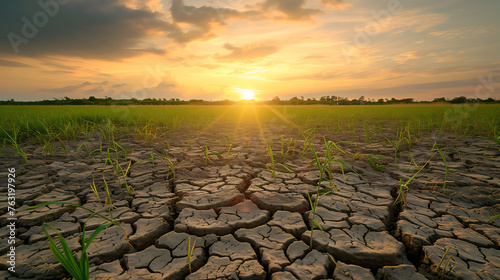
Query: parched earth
(244, 223)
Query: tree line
(324, 100)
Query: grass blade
(445, 166)
(67, 260)
(95, 233)
(317, 223)
(272, 159)
(284, 166)
(494, 218)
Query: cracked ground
(244, 221)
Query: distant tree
(294, 100)
(77, 102)
(442, 99)
(381, 100)
(458, 100)
(92, 99)
(105, 101)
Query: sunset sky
(218, 49)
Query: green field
(349, 157)
(70, 122)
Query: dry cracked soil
(249, 224)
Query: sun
(246, 94)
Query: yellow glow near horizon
(246, 94)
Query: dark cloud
(248, 52)
(103, 29)
(292, 9)
(107, 29)
(8, 63)
(204, 15)
(151, 50)
(74, 87)
(201, 20)
(118, 85)
(181, 36)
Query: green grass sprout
(13, 138)
(78, 270)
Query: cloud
(332, 75)
(151, 5)
(58, 72)
(203, 15)
(247, 52)
(314, 57)
(419, 91)
(409, 69)
(402, 58)
(315, 76)
(151, 50)
(201, 20)
(102, 29)
(336, 3)
(73, 88)
(108, 29)
(59, 65)
(119, 85)
(417, 20)
(447, 59)
(458, 33)
(165, 89)
(94, 90)
(292, 9)
(8, 63)
(181, 36)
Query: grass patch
(78, 270)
